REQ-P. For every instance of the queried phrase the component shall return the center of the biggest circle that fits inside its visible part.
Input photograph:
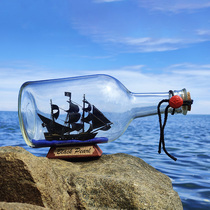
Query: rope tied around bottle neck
(174, 102)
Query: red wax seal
(175, 101)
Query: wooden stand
(75, 152)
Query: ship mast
(83, 114)
(53, 119)
(68, 94)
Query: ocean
(186, 137)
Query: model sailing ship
(74, 122)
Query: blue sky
(149, 45)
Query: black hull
(81, 136)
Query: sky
(149, 45)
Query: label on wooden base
(75, 151)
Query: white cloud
(134, 67)
(195, 78)
(149, 44)
(175, 77)
(12, 78)
(203, 32)
(174, 6)
(202, 73)
(190, 69)
(144, 31)
(168, 6)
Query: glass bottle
(85, 109)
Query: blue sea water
(186, 137)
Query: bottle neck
(145, 104)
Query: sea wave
(186, 137)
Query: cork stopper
(188, 98)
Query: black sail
(73, 117)
(99, 120)
(90, 128)
(88, 118)
(106, 127)
(53, 127)
(76, 126)
(55, 111)
(88, 108)
(73, 107)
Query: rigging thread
(162, 127)
(174, 102)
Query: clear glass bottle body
(63, 111)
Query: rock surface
(118, 181)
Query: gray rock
(19, 206)
(118, 181)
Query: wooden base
(75, 152)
